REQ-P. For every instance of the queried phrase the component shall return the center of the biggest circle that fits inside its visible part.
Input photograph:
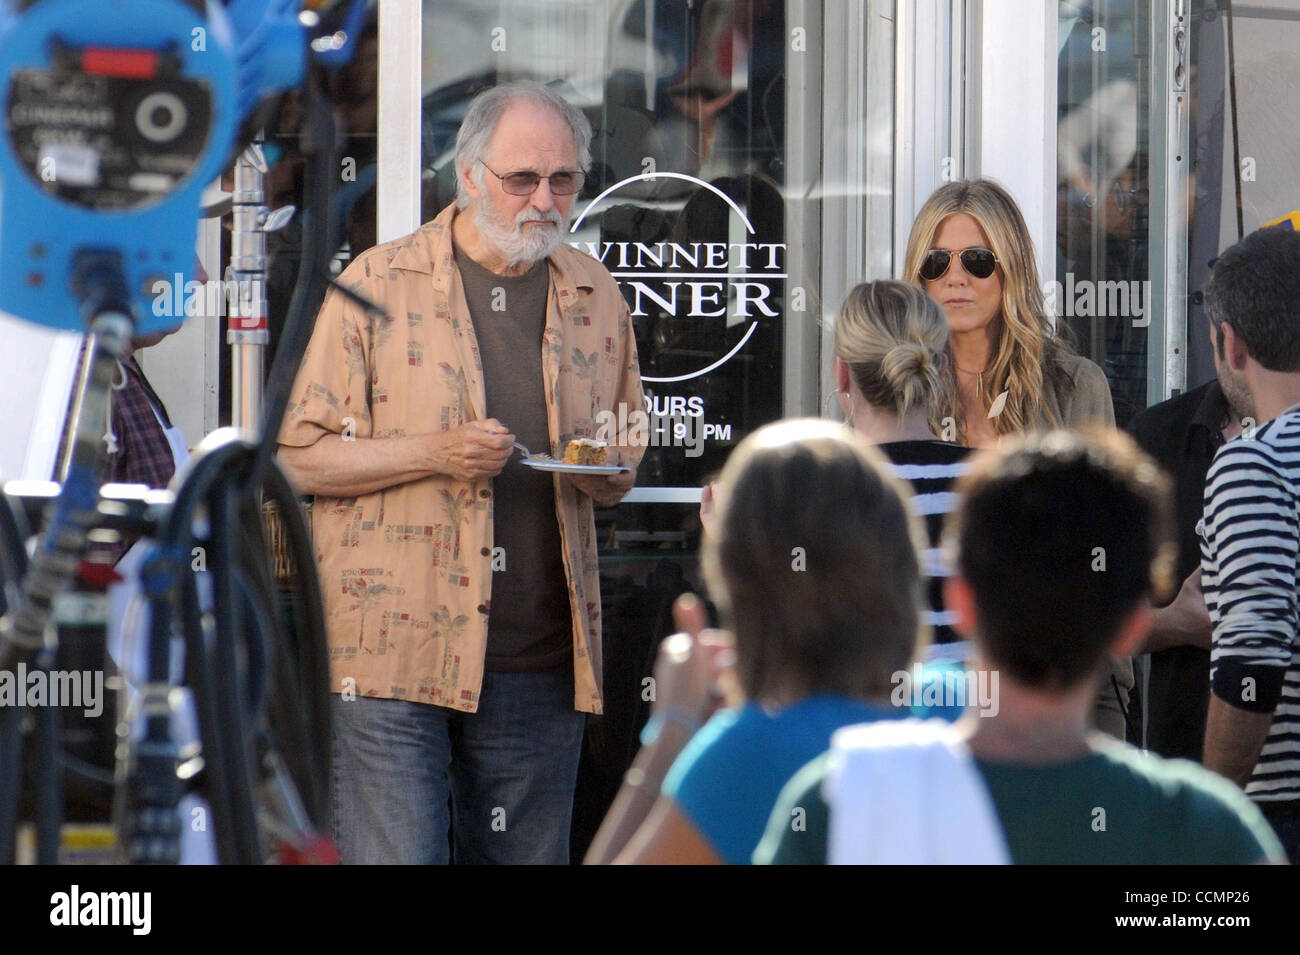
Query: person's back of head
(1060, 537)
(894, 339)
(1255, 287)
(812, 560)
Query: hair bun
(907, 358)
(922, 359)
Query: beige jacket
(1090, 403)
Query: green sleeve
(798, 828)
(1234, 829)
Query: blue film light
(117, 114)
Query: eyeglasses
(564, 183)
(979, 263)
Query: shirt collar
(429, 250)
(1211, 411)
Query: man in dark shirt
(459, 739)
(1183, 434)
(528, 624)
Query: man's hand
(605, 490)
(477, 449)
(1185, 622)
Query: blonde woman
(971, 250)
(892, 378)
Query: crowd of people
(976, 512)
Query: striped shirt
(1250, 542)
(932, 467)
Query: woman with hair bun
(891, 374)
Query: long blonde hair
(894, 338)
(1026, 350)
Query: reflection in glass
(1102, 295)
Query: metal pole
(1170, 176)
(246, 330)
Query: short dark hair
(1060, 534)
(812, 560)
(1255, 286)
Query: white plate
(544, 462)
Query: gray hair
(486, 110)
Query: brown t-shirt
(529, 624)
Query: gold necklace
(979, 379)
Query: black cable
(229, 673)
(1236, 142)
(311, 655)
(11, 764)
(47, 787)
(13, 566)
(320, 143)
(216, 781)
(153, 792)
(232, 702)
(14, 533)
(212, 664)
(253, 576)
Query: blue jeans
(501, 780)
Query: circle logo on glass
(711, 266)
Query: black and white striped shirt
(1250, 550)
(932, 467)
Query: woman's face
(970, 303)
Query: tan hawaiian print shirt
(407, 571)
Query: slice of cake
(586, 451)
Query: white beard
(515, 243)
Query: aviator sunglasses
(978, 263)
(525, 183)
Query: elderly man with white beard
(461, 586)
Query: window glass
(684, 200)
(1102, 290)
